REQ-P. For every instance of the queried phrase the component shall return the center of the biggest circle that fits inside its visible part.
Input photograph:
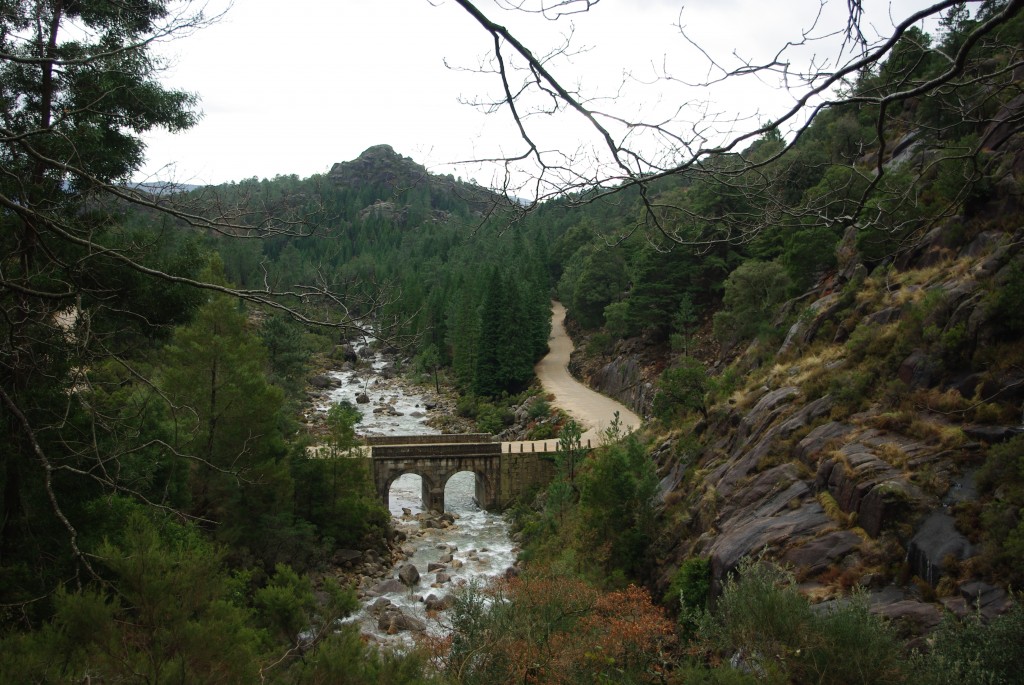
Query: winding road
(591, 409)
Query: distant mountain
(380, 165)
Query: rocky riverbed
(406, 588)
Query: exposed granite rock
(818, 554)
(934, 542)
(918, 370)
(867, 485)
(409, 575)
(992, 434)
(806, 327)
(624, 379)
(755, 532)
(392, 620)
(816, 444)
(388, 586)
(916, 617)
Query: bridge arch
(425, 483)
(483, 489)
(500, 478)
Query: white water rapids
(478, 541)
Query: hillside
(866, 432)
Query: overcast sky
(291, 88)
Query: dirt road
(592, 410)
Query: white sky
(291, 88)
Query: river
(478, 542)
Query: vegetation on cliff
(834, 376)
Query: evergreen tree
(227, 418)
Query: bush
(690, 585)
(467, 407)
(555, 629)
(752, 293)
(1001, 478)
(683, 387)
(1004, 304)
(541, 432)
(492, 419)
(762, 617)
(972, 653)
(539, 409)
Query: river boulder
(409, 575)
(388, 587)
(392, 620)
(433, 603)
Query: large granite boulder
(409, 575)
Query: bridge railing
(535, 446)
(446, 439)
(442, 450)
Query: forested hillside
(823, 331)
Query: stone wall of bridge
(524, 473)
(501, 476)
(435, 464)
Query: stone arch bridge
(504, 470)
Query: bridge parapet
(435, 451)
(445, 439)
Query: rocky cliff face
(851, 455)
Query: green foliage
(336, 494)
(808, 252)
(342, 418)
(343, 657)
(493, 418)
(287, 351)
(229, 421)
(617, 322)
(504, 360)
(600, 282)
(753, 292)
(974, 652)
(1001, 481)
(539, 408)
(691, 585)
(683, 325)
(1004, 308)
(617, 504)
(570, 450)
(762, 616)
(682, 388)
(169, 620)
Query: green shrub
(682, 388)
(1001, 480)
(752, 294)
(1004, 304)
(467, 407)
(972, 653)
(762, 617)
(691, 584)
(538, 409)
(492, 419)
(541, 432)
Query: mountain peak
(379, 165)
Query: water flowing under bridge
(504, 470)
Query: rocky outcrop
(935, 545)
(624, 379)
